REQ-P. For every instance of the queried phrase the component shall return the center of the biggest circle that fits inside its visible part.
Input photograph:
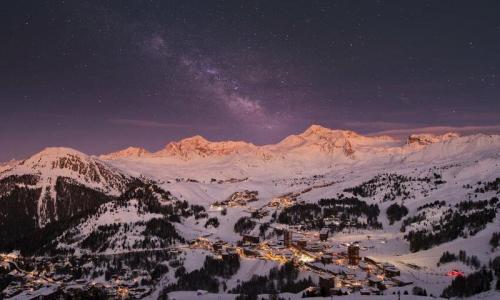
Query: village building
(353, 254)
(287, 238)
(390, 270)
(400, 281)
(326, 259)
(374, 281)
(323, 234)
(312, 292)
(229, 255)
(301, 243)
(252, 239)
(314, 248)
(364, 266)
(327, 282)
(339, 291)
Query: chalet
(252, 239)
(98, 285)
(400, 281)
(250, 252)
(312, 292)
(217, 246)
(229, 256)
(370, 260)
(374, 281)
(338, 291)
(385, 284)
(364, 266)
(327, 282)
(314, 248)
(301, 243)
(4, 266)
(390, 270)
(326, 259)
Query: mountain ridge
(316, 143)
(315, 139)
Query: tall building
(323, 234)
(287, 238)
(353, 254)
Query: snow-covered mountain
(315, 144)
(199, 147)
(442, 189)
(427, 138)
(126, 153)
(454, 148)
(54, 162)
(318, 140)
(316, 150)
(62, 189)
(54, 186)
(313, 141)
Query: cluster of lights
(305, 258)
(455, 273)
(122, 291)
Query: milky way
(99, 76)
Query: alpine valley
(323, 212)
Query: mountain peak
(197, 139)
(316, 127)
(52, 157)
(198, 146)
(319, 130)
(429, 138)
(127, 152)
(58, 152)
(53, 163)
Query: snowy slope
(320, 164)
(4, 166)
(316, 164)
(52, 165)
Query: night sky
(102, 75)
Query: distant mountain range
(316, 140)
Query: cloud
(147, 123)
(375, 125)
(487, 129)
(399, 129)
